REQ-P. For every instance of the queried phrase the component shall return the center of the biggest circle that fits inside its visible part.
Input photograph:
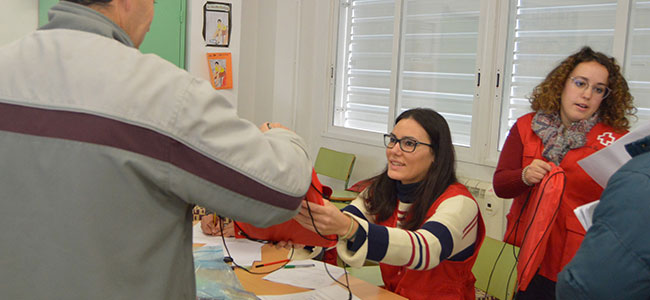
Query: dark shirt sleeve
(507, 177)
(612, 262)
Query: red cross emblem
(606, 139)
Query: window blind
(439, 62)
(364, 64)
(436, 65)
(637, 71)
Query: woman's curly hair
(613, 110)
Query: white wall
(18, 17)
(307, 98)
(195, 49)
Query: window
(365, 60)
(430, 45)
(475, 62)
(637, 68)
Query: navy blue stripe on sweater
(463, 255)
(377, 242)
(420, 249)
(441, 232)
(355, 211)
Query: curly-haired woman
(580, 108)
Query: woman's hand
(327, 218)
(209, 227)
(536, 171)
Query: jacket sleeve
(613, 261)
(507, 176)
(226, 164)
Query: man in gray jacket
(613, 261)
(104, 151)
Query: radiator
(493, 208)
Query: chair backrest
(504, 277)
(335, 164)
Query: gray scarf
(558, 141)
(68, 15)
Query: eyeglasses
(598, 89)
(406, 144)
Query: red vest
(448, 280)
(566, 232)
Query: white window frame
(490, 63)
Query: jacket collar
(68, 15)
(639, 146)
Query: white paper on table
(244, 252)
(585, 213)
(309, 278)
(602, 164)
(332, 292)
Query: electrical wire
(487, 289)
(554, 215)
(223, 239)
(516, 228)
(345, 271)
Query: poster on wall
(217, 24)
(220, 70)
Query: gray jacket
(104, 151)
(613, 261)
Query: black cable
(514, 254)
(516, 227)
(554, 214)
(543, 189)
(345, 271)
(225, 246)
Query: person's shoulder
(526, 118)
(639, 164)
(628, 188)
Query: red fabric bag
(291, 230)
(540, 213)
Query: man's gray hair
(89, 2)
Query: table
(254, 282)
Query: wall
(195, 60)
(270, 34)
(307, 98)
(19, 17)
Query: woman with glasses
(580, 108)
(415, 219)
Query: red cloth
(450, 280)
(543, 207)
(291, 230)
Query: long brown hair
(382, 195)
(613, 110)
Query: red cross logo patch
(606, 139)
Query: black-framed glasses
(599, 90)
(407, 144)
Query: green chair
(503, 281)
(370, 274)
(337, 165)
